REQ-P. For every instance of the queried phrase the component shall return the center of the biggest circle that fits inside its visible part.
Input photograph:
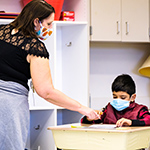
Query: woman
(24, 56)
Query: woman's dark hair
(34, 9)
(124, 83)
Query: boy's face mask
(120, 104)
(44, 33)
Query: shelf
(58, 23)
(45, 108)
(41, 108)
(66, 23)
(3, 21)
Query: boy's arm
(144, 118)
(86, 121)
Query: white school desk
(84, 137)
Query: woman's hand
(123, 122)
(99, 112)
(90, 113)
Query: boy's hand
(123, 122)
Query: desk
(85, 137)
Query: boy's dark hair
(124, 83)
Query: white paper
(103, 126)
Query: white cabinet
(120, 20)
(105, 20)
(69, 61)
(39, 137)
(135, 20)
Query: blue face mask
(120, 104)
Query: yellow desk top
(95, 137)
(98, 127)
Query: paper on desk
(103, 126)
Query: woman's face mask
(44, 32)
(120, 104)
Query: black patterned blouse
(14, 49)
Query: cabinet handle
(118, 27)
(37, 127)
(69, 44)
(127, 28)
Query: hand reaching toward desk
(98, 112)
(123, 122)
(90, 113)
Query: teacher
(24, 56)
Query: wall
(11, 5)
(108, 60)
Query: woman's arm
(42, 82)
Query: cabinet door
(135, 20)
(106, 20)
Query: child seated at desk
(122, 111)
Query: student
(123, 110)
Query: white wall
(107, 61)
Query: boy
(123, 111)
